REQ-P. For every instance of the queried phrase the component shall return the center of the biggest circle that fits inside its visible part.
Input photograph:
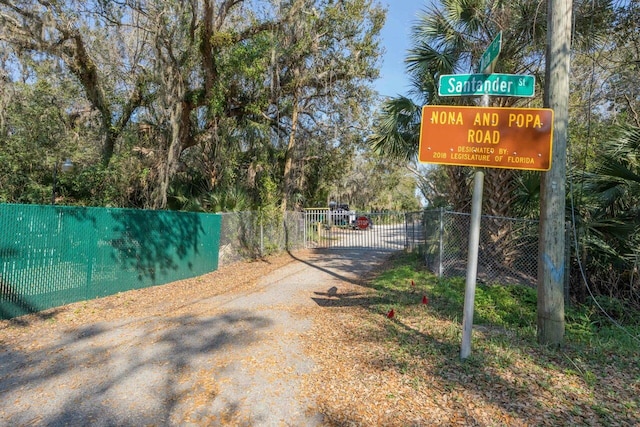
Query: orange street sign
(492, 137)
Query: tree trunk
(459, 188)
(287, 181)
(179, 123)
(170, 163)
(497, 233)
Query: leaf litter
(364, 375)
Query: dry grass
(406, 371)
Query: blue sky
(395, 37)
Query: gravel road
(234, 358)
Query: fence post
(441, 243)
(304, 229)
(406, 233)
(567, 262)
(408, 246)
(261, 235)
(416, 217)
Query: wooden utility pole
(551, 254)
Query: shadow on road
(134, 373)
(352, 265)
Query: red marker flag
(390, 314)
(425, 300)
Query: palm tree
(449, 39)
(609, 219)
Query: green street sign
(486, 84)
(490, 54)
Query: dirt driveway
(229, 348)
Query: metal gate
(333, 229)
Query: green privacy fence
(55, 255)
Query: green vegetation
(604, 126)
(269, 109)
(595, 374)
(262, 106)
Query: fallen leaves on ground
(368, 376)
(363, 377)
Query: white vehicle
(339, 214)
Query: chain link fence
(507, 254)
(251, 235)
(83, 253)
(55, 255)
(415, 232)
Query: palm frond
(612, 168)
(469, 14)
(424, 59)
(625, 144)
(615, 181)
(397, 132)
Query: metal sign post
(511, 138)
(472, 258)
(472, 264)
